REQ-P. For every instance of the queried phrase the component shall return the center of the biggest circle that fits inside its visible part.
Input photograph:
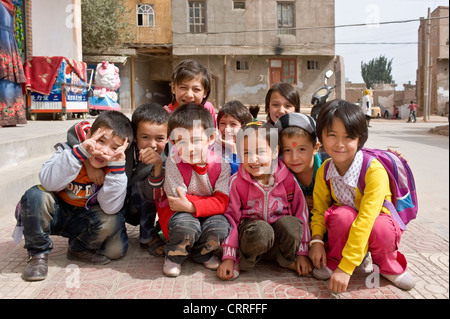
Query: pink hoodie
(268, 205)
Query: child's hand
(401, 155)
(89, 143)
(181, 203)
(304, 265)
(149, 156)
(119, 153)
(226, 269)
(339, 281)
(318, 255)
(97, 175)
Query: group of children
(256, 190)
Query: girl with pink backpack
(355, 221)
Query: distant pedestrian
(396, 113)
(412, 112)
(367, 106)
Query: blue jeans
(43, 214)
(200, 237)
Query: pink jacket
(284, 198)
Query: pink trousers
(383, 241)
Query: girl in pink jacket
(267, 210)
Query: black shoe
(37, 268)
(88, 256)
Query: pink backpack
(404, 204)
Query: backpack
(404, 204)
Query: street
(139, 275)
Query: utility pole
(427, 106)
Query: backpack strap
(325, 171)
(367, 161)
(214, 169)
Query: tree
(376, 71)
(104, 24)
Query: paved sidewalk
(139, 275)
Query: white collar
(352, 175)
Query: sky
(404, 63)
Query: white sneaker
(367, 264)
(213, 263)
(323, 273)
(403, 281)
(171, 269)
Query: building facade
(433, 36)
(247, 45)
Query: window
(240, 5)
(145, 15)
(312, 65)
(242, 65)
(197, 16)
(283, 70)
(285, 18)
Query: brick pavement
(139, 275)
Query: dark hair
(118, 122)
(149, 112)
(270, 134)
(187, 70)
(288, 91)
(350, 114)
(237, 110)
(185, 115)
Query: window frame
(285, 29)
(241, 2)
(197, 27)
(146, 15)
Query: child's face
(257, 157)
(108, 143)
(341, 147)
(192, 144)
(229, 127)
(189, 91)
(298, 153)
(151, 135)
(279, 106)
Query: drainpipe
(224, 78)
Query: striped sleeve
(116, 167)
(80, 153)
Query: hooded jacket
(264, 204)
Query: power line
(318, 27)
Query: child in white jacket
(69, 204)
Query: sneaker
(367, 264)
(171, 269)
(323, 273)
(37, 268)
(213, 263)
(403, 281)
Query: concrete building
(250, 45)
(247, 45)
(433, 45)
